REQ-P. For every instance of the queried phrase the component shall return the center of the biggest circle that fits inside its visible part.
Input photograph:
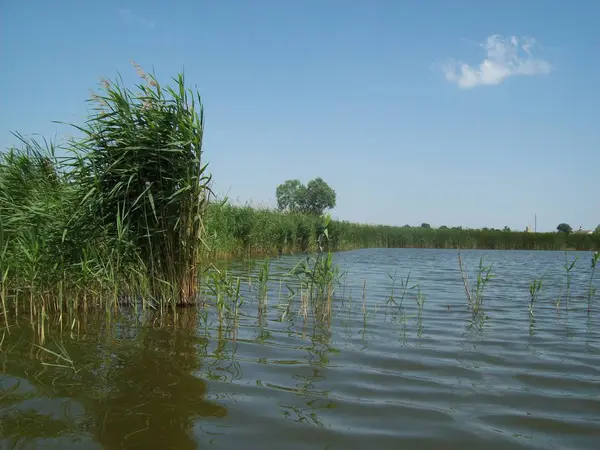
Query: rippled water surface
(376, 375)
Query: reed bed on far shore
(240, 231)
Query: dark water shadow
(128, 387)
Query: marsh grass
(318, 277)
(225, 288)
(420, 298)
(391, 298)
(484, 276)
(568, 267)
(591, 288)
(226, 291)
(364, 300)
(255, 231)
(534, 291)
(404, 286)
(63, 360)
(263, 282)
(117, 221)
(143, 178)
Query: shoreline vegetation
(124, 216)
(245, 231)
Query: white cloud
(130, 18)
(505, 57)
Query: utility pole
(535, 223)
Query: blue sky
(368, 95)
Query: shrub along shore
(238, 231)
(122, 213)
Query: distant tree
(564, 228)
(506, 229)
(443, 227)
(288, 195)
(314, 198)
(406, 226)
(425, 225)
(597, 230)
(319, 196)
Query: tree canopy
(314, 198)
(288, 195)
(564, 228)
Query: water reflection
(154, 395)
(141, 391)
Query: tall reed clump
(319, 276)
(119, 218)
(35, 203)
(141, 173)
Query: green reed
(484, 276)
(420, 299)
(263, 280)
(318, 275)
(226, 291)
(119, 218)
(141, 160)
(391, 298)
(568, 267)
(534, 291)
(4, 271)
(404, 286)
(591, 287)
(63, 359)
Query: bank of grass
(238, 231)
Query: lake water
(386, 378)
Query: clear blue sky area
(468, 113)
